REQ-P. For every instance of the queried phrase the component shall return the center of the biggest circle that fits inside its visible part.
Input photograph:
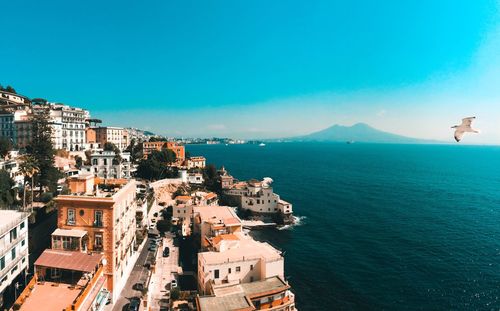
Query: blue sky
(257, 69)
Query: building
(100, 217)
(11, 165)
(235, 259)
(13, 249)
(16, 127)
(66, 280)
(259, 198)
(116, 135)
(105, 165)
(211, 221)
(68, 125)
(195, 178)
(149, 146)
(269, 294)
(12, 101)
(195, 162)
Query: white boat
(262, 145)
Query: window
(251, 279)
(98, 242)
(13, 234)
(216, 273)
(2, 263)
(251, 267)
(98, 219)
(71, 216)
(23, 242)
(94, 161)
(22, 226)
(238, 269)
(13, 251)
(229, 270)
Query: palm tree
(29, 168)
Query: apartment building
(103, 164)
(272, 293)
(13, 248)
(99, 217)
(16, 127)
(68, 125)
(116, 135)
(12, 101)
(149, 146)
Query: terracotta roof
(183, 198)
(210, 195)
(68, 260)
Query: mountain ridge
(359, 132)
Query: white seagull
(463, 128)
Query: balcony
(98, 224)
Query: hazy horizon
(268, 70)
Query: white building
(68, 125)
(258, 197)
(195, 178)
(104, 165)
(116, 135)
(13, 247)
(196, 162)
(235, 259)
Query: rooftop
(69, 260)
(247, 249)
(9, 219)
(48, 296)
(237, 297)
(218, 214)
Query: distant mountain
(359, 132)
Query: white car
(173, 284)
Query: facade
(100, 216)
(16, 127)
(259, 198)
(68, 125)
(11, 101)
(104, 165)
(211, 221)
(195, 178)
(149, 146)
(270, 294)
(235, 259)
(14, 254)
(196, 162)
(66, 280)
(116, 135)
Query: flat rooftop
(228, 303)
(49, 296)
(246, 249)
(9, 219)
(218, 214)
(75, 233)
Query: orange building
(149, 146)
(90, 135)
(99, 217)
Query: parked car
(138, 286)
(152, 247)
(166, 252)
(134, 304)
(173, 284)
(155, 214)
(153, 220)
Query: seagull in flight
(463, 128)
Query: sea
(381, 226)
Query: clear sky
(255, 69)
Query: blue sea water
(386, 227)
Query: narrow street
(139, 274)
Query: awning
(75, 233)
(68, 260)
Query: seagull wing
(459, 134)
(467, 121)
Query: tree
(7, 192)
(5, 146)
(78, 162)
(164, 156)
(135, 149)
(163, 225)
(211, 178)
(29, 168)
(42, 151)
(108, 146)
(9, 89)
